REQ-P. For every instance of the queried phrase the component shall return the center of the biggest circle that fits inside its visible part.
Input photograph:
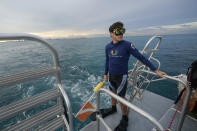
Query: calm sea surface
(82, 67)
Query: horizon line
(106, 36)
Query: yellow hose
(100, 85)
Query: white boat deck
(153, 104)
(190, 124)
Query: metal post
(68, 104)
(97, 109)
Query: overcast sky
(70, 18)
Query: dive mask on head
(119, 31)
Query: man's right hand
(105, 78)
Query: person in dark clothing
(117, 53)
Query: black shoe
(106, 112)
(122, 126)
(103, 112)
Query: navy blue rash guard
(117, 57)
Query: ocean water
(82, 67)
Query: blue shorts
(118, 83)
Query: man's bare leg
(113, 100)
(123, 108)
(124, 121)
(111, 110)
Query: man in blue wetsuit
(118, 52)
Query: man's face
(116, 38)
(117, 34)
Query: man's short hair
(116, 25)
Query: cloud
(168, 29)
(69, 34)
(71, 17)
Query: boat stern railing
(137, 109)
(187, 96)
(129, 105)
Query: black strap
(179, 96)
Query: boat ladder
(58, 115)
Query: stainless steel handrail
(140, 111)
(139, 66)
(131, 106)
(104, 123)
(150, 56)
(166, 76)
(22, 36)
(65, 96)
(186, 100)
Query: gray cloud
(92, 15)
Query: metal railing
(140, 111)
(126, 103)
(135, 75)
(138, 66)
(23, 77)
(186, 100)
